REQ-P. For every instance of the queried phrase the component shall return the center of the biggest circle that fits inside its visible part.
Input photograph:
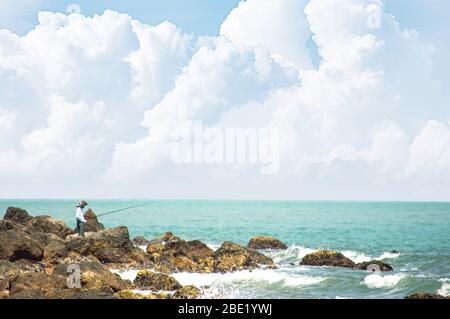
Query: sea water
(419, 233)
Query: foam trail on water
(126, 274)
(385, 282)
(356, 256)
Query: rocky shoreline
(37, 252)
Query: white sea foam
(258, 276)
(379, 281)
(356, 256)
(445, 288)
(359, 257)
(389, 255)
(293, 254)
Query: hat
(83, 203)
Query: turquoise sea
(418, 232)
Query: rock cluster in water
(37, 252)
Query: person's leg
(82, 229)
(78, 227)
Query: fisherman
(80, 218)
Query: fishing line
(122, 209)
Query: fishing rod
(122, 209)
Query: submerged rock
(149, 280)
(17, 215)
(16, 244)
(266, 242)
(233, 257)
(327, 258)
(187, 292)
(374, 265)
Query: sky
(95, 96)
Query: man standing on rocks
(80, 218)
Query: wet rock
(149, 280)
(266, 242)
(327, 258)
(47, 224)
(233, 257)
(426, 295)
(140, 241)
(187, 292)
(183, 256)
(17, 215)
(92, 224)
(16, 244)
(155, 249)
(93, 275)
(374, 265)
(128, 294)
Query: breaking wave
(379, 281)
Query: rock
(36, 283)
(187, 292)
(169, 237)
(378, 265)
(47, 224)
(8, 225)
(17, 215)
(128, 294)
(266, 242)
(140, 241)
(8, 270)
(233, 257)
(92, 224)
(146, 279)
(183, 256)
(155, 249)
(111, 246)
(16, 244)
(93, 275)
(327, 258)
(426, 295)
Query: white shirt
(80, 215)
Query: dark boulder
(148, 280)
(183, 256)
(233, 257)
(266, 242)
(374, 265)
(327, 258)
(92, 224)
(16, 244)
(17, 215)
(187, 292)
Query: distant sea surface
(419, 233)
